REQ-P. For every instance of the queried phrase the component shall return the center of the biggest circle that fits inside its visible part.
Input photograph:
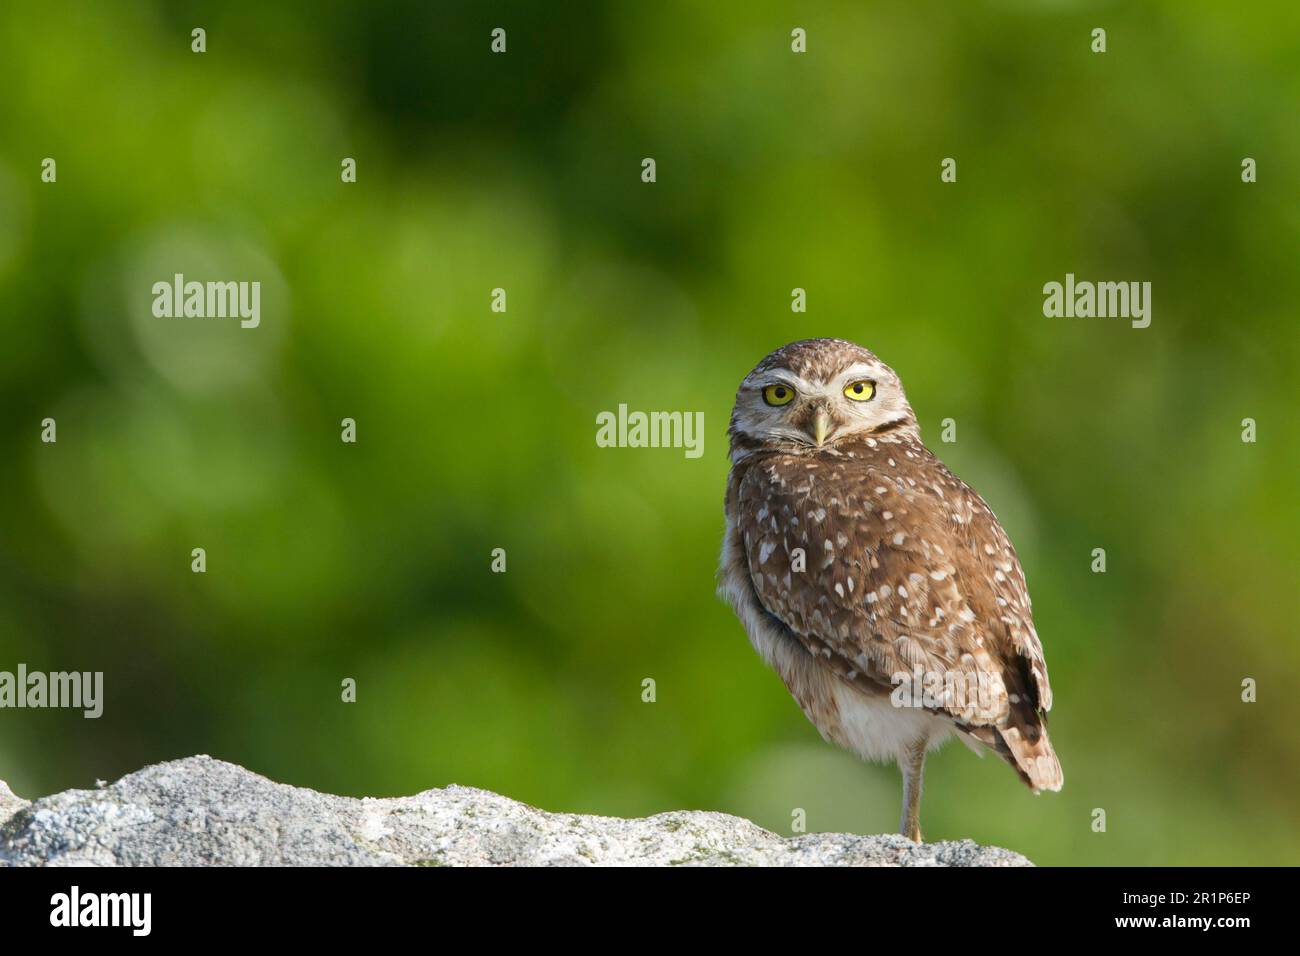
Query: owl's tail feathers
(1025, 746)
(1034, 759)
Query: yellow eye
(778, 394)
(860, 391)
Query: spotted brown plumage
(863, 568)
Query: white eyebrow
(859, 370)
(780, 375)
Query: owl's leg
(912, 763)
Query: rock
(9, 804)
(200, 811)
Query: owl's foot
(912, 763)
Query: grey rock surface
(201, 811)
(9, 804)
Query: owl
(877, 584)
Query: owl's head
(811, 394)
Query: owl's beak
(821, 426)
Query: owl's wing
(907, 583)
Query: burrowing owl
(878, 585)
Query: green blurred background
(476, 430)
